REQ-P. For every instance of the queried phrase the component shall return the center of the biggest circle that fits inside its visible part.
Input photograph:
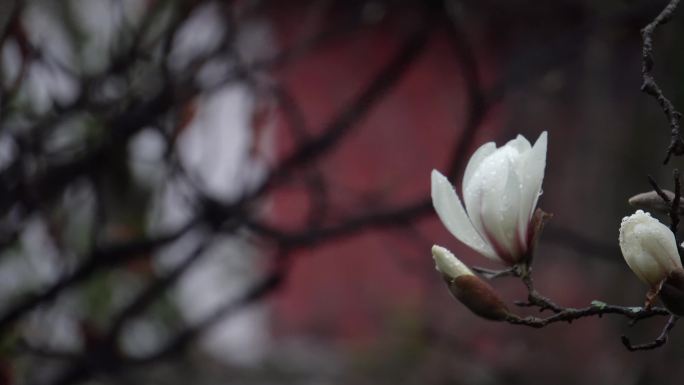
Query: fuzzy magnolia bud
(672, 292)
(649, 248)
(474, 293)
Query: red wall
(352, 288)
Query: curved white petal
(630, 246)
(520, 143)
(531, 177)
(650, 262)
(472, 198)
(451, 213)
(475, 161)
(489, 180)
(500, 212)
(659, 240)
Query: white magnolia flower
(501, 187)
(649, 247)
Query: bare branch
(658, 342)
(652, 88)
(596, 309)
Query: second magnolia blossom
(649, 248)
(501, 187)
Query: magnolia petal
(660, 241)
(475, 161)
(472, 196)
(489, 180)
(500, 213)
(532, 176)
(650, 262)
(520, 143)
(452, 214)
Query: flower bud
(474, 293)
(672, 292)
(447, 264)
(649, 248)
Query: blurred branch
(383, 82)
(256, 292)
(154, 290)
(287, 242)
(99, 259)
(24, 347)
(11, 21)
(478, 100)
(310, 237)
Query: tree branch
(659, 341)
(652, 88)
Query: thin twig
(650, 86)
(659, 341)
(533, 296)
(671, 204)
(658, 190)
(595, 309)
(674, 208)
(524, 272)
(567, 314)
